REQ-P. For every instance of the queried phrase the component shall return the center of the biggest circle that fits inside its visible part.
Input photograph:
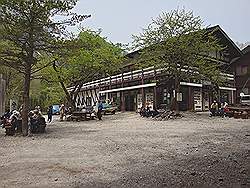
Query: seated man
(214, 108)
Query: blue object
(56, 109)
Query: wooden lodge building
(132, 89)
(241, 68)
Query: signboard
(197, 100)
(179, 97)
(150, 100)
(139, 101)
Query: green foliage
(91, 57)
(29, 30)
(14, 83)
(44, 94)
(178, 42)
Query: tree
(29, 30)
(93, 57)
(178, 43)
(13, 84)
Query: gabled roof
(246, 49)
(221, 35)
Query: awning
(128, 88)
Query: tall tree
(178, 43)
(29, 29)
(91, 58)
(13, 84)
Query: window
(88, 101)
(241, 70)
(166, 96)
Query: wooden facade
(241, 68)
(133, 89)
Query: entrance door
(205, 96)
(129, 103)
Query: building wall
(194, 96)
(87, 97)
(242, 75)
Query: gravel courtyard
(125, 150)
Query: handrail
(133, 74)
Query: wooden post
(155, 91)
(110, 86)
(190, 96)
(91, 94)
(142, 90)
(96, 96)
(122, 96)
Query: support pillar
(190, 99)
(155, 91)
(142, 91)
(122, 102)
(232, 97)
(155, 98)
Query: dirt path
(126, 150)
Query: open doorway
(129, 103)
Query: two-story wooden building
(242, 73)
(132, 89)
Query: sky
(120, 19)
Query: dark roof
(246, 49)
(222, 37)
(226, 40)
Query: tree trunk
(68, 96)
(177, 91)
(26, 90)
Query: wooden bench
(79, 116)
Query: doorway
(130, 103)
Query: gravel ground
(125, 150)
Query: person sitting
(155, 112)
(33, 120)
(142, 112)
(214, 108)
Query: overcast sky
(119, 19)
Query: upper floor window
(241, 70)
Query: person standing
(62, 112)
(50, 113)
(99, 109)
